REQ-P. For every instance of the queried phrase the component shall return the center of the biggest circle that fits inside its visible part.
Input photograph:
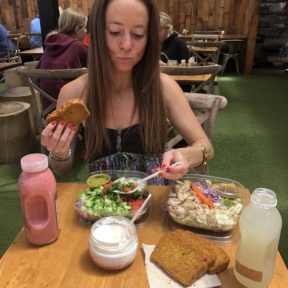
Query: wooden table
(66, 262)
(225, 37)
(233, 36)
(196, 80)
(193, 79)
(32, 52)
(9, 65)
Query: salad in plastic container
(95, 198)
(205, 202)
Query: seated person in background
(3, 42)
(35, 27)
(87, 36)
(64, 50)
(172, 47)
(129, 100)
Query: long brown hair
(146, 83)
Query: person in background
(35, 27)
(64, 50)
(3, 42)
(87, 36)
(172, 47)
(129, 100)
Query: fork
(145, 179)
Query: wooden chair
(206, 53)
(12, 55)
(206, 108)
(31, 75)
(33, 43)
(199, 77)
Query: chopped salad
(95, 203)
(205, 205)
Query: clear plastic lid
(34, 162)
(264, 198)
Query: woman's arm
(199, 149)
(60, 140)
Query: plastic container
(260, 226)
(90, 213)
(172, 63)
(38, 194)
(107, 248)
(212, 223)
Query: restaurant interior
(247, 131)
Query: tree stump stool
(23, 94)
(13, 79)
(17, 137)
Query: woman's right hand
(58, 140)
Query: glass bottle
(260, 227)
(109, 248)
(38, 195)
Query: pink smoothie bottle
(38, 194)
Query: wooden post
(17, 137)
(48, 14)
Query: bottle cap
(264, 198)
(34, 162)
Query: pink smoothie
(39, 201)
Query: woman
(64, 50)
(172, 47)
(129, 100)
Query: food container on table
(172, 63)
(185, 210)
(110, 247)
(100, 205)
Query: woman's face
(126, 32)
(164, 31)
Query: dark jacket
(62, 52)
(175, 49)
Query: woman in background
(64, 50)
(172, 47)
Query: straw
(134, 218)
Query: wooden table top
(193, 78)
(35, 51)
(8, 65)
(205, 49)
(66, 262)
(226, 36)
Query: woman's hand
(161, 63)
(171, 157)
(58, 140)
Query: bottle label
(248, 273)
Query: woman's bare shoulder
(75, 89)
(171, 90)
